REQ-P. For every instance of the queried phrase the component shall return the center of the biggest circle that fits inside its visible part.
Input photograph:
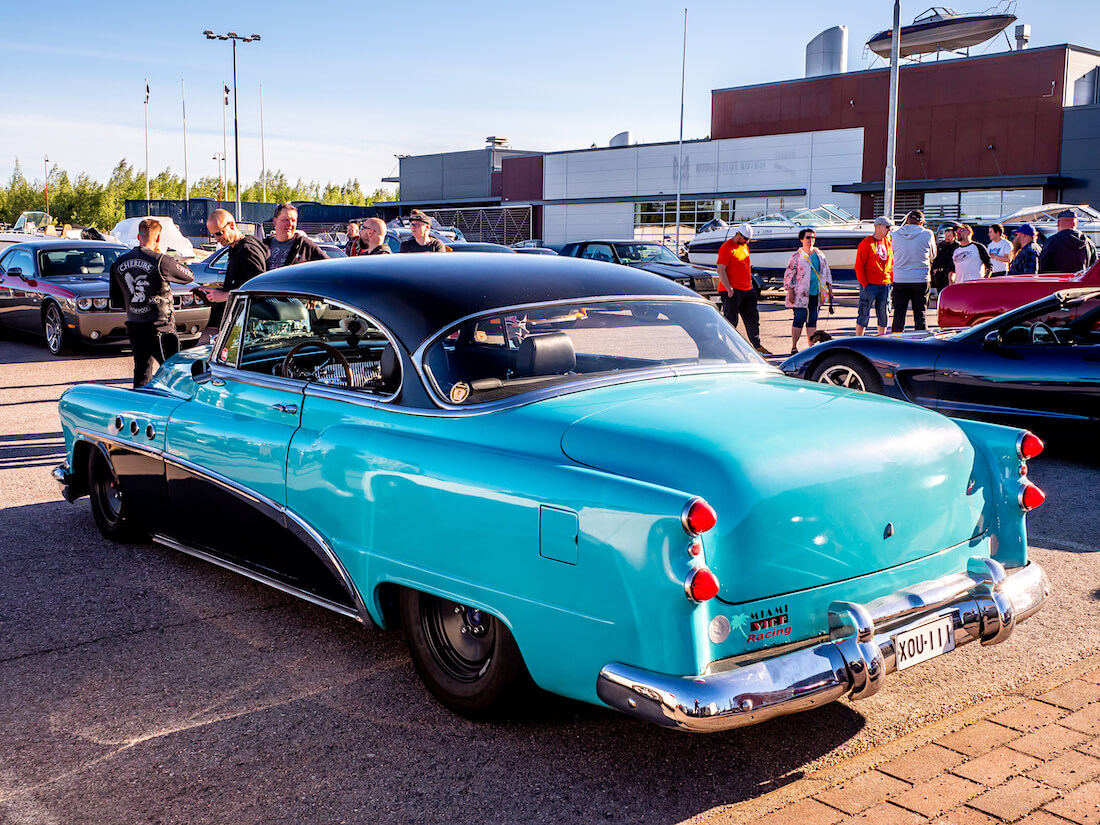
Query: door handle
(287, 408)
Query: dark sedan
(60, 289)
(1038, 364)
(647, 255)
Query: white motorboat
(775, 239)
(1044, 219)
(941, 29)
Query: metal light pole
(236, 133)
(46, 163)
(889, 190)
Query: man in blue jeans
(875, 272)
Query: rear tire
(848, 372)
(110, 509)
(466, 658)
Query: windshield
(823, 215)
(67, 262)
(644, 253)
(504, 354)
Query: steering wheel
(289, 370)
(1040, 330)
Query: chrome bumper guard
(63, 477)
(985, 604)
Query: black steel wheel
(466, 657)
(849, 372)
(53, 330)
(109, 507)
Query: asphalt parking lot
(142, 685)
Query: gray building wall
(451, 176)
(1080, 158)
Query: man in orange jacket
(875, 273)
(735, 286)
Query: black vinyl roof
(416, 295)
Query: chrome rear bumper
(985, 604)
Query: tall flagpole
(146, 139)
(263, 157)
(225, 146)
(680, 162)
(183, 95)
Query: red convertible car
(974, 302)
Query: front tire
(466, 658)
(57, 337)
(847, 372)
(110, 509)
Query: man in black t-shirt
(247, 256)
(142, 279)
(421, 241)
(286, 246)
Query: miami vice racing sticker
(765, 624)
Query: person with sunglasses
(247, 255)
(372, 238)
(809, 284)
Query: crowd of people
(141, 279)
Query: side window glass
(312, 340)
(21, 259)
(231, 344)
(598, 252)
(221, 260)
(393, 243)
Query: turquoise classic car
(566, 473)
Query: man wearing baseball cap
(1025, 252)
(875, 272)
(735, 285)
(1067, 250)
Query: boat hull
(949, 34)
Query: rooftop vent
(498, 142)
(828, 52)
(622, 139)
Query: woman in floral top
(808, 283)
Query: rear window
(504, 354)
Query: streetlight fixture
(220, 158)
(209, 35)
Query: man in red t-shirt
(875, 272)
(735, 285)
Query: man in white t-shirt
(971, 260)
(1000, 249)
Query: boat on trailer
(775, 239)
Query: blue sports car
(498, 454)
(1037, 366)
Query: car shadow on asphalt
(136, 674)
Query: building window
(656, 220)
(978, 205)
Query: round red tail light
(699, 517)
(1029, 445)
(1031, 496)
(701, 585)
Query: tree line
(86, 202)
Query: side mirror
(993, 339)
(17, 271)
(200, 372)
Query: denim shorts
(802, 314)
(878, 295)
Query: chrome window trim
(235, 371)
(301, 528)
(538, 395)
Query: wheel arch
(853, 356)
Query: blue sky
(344, 91)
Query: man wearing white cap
(735, 285)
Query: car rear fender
(998, 446)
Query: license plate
(925, 642)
